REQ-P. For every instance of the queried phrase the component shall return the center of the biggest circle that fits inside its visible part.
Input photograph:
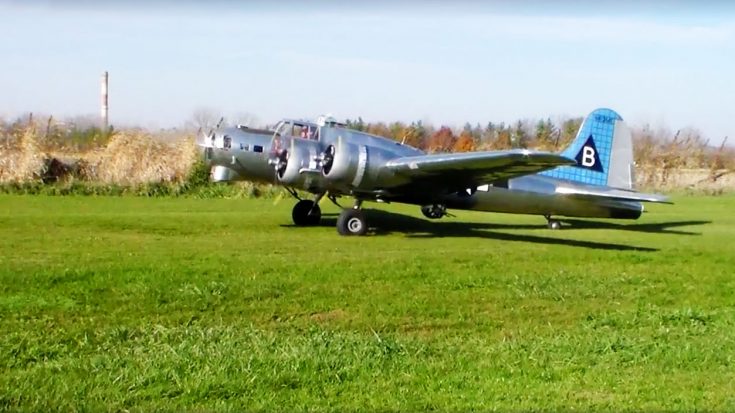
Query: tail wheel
(554, 224)
(351, 222)
(306, 213)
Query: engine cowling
(296, 164)
(345, 163)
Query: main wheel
(433, 211)
(351, 222)
(306, 213)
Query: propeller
(327, 158)
(281, 162)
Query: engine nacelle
(297, 165)
(345, 163)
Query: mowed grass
(184, 304)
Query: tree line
(658, 148)
(543, 134)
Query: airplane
(591, 178)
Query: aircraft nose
(204, 143)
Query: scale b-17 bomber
(592, 178)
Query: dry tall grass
(129, 158)
(24, 162)
(132, 158)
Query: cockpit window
(298, 130)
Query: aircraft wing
(473, 168)
(613, 194)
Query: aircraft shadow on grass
(385, 222)
(654, 227)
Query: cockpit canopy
(305, 129)
(298, 129)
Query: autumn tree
(442, 140)
(379, 129)
(504, 139)
(465, 142)
(414, 135)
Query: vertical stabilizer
(603, 150)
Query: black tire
(306, 213)
(351, 222)
(432, 211)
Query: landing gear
(552, 223)
(306, 213)
(352, 221)
(435, 211)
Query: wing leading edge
(478, 167)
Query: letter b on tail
(588, 157)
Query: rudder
(603, 150)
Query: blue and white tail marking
(589, 156)
(603, 151)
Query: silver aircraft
(592, 178)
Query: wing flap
(484, 166)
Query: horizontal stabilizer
(614, 194)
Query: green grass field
(124, 303)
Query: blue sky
(667, 64)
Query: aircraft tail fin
(603, 150)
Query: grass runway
(125, 303)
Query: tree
(204, 119)
(519, 138)
(504, 138)
(567, 133)
(545, 134)
(415, 135)
(477, 133)
(358, 125)
(397, 131)
(465, 142)
(245, 119)
(442, 140)
(379, 129)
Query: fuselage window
(257, 148)
(227, 142)
(244, 147)
(308, 132)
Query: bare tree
(246, 119)
(203, 118)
